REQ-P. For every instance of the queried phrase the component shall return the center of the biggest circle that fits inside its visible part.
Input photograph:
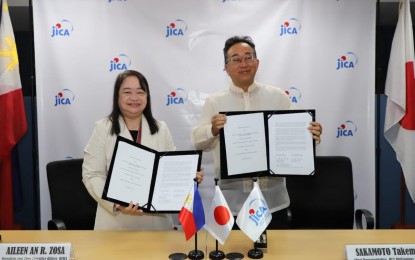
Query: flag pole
(255, 253)
(378, 93)
(217, 254)
(402, 224)
(196, 254)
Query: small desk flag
(219, 219)
(192, 215)
(254, 217)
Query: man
(244, 94)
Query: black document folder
(158, 181)
(267, 143)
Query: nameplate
(35, 251)
(381, 252)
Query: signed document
(158, 181)
(291, 150)
(267, 143)
(245, 143)
(172, 183)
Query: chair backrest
(70, 200)
(325, 200)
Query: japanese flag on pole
(254, 217)
(192, 215)
(219, 219)
(399, 128)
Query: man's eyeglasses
(237, 60)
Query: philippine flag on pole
(192, 215)
(12, 114)
(219, 219)
(254, 217)
(400, 88)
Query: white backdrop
(321, 52)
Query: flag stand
(196, 254)
(402, 224)
(177, 256)
(217, 254)
(255, 253)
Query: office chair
(72, 206)
(326, 200)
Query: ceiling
(20, 13)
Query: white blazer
(97, 158)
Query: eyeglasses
(237, 60)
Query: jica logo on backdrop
(119, 63)
(176, 28)
(290, 27)
(177, 97)
(294, 94)
(347, 129)
(62, 29)
(347, 61)
(64, 98)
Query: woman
(131, 117)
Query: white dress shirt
(258, 97)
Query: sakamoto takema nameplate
(158, 181)
(267, 143)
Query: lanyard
(139, 136)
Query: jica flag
(219, 219)
(254, 216)
(192, 215)
(400, 89)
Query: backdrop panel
(321, 52)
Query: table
(282, 244)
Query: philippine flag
(254, 217)
(219, 219)
(192, 215)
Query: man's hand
(218, 122)
(316, 129)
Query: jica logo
(122, 62)
(258, 212)
(347, 61)
(62, 29)
(294, 94)
(176, 28)
(177, 97)
(347, 129)
(290, 27)
(64, 98)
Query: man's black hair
(237, 39)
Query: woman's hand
(199, 176)
(130, 210)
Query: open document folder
(267, 143)
(158, 181)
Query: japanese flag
(219, 219)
